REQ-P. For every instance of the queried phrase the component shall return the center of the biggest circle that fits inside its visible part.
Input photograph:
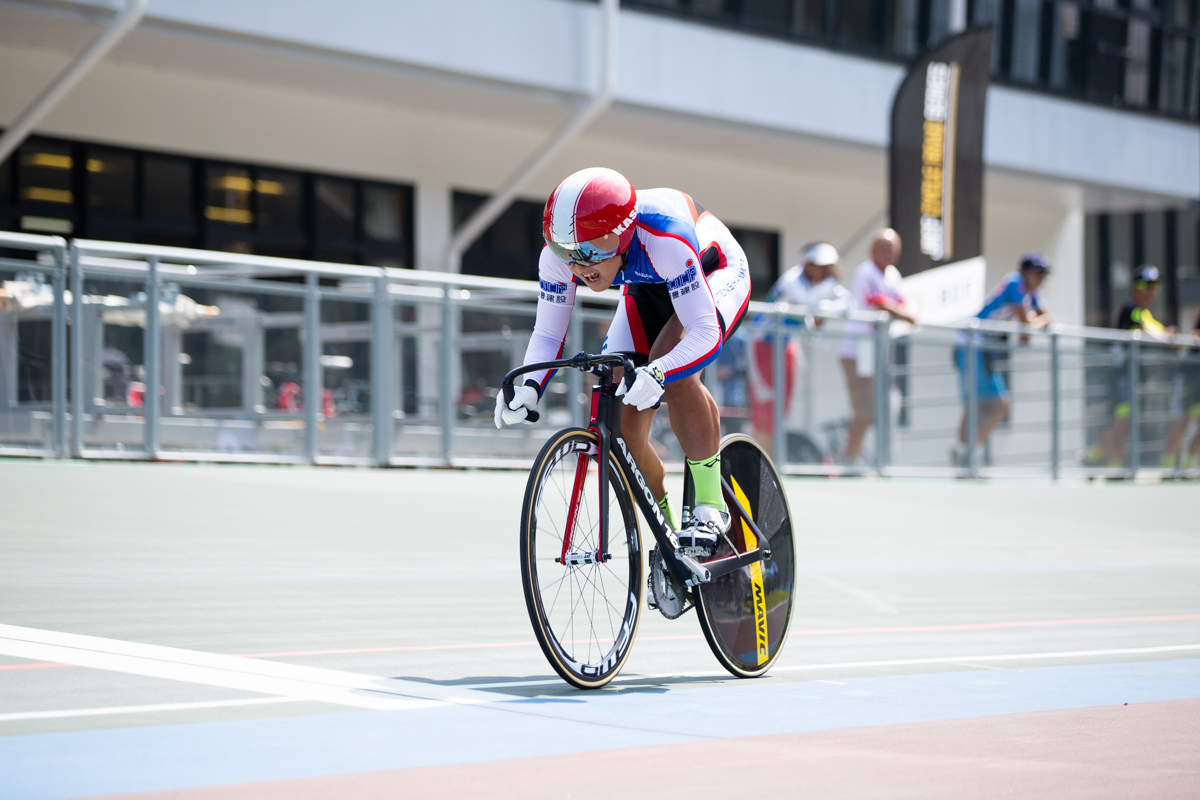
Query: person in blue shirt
(1016, 298)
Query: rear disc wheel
(745, 615)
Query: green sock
(706, 478)
(669, 511)
(1169, 460)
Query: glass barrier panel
(114, 372)
(233, 371)
(346, 428)
(417, 373)
(26, 308)
(493, 337)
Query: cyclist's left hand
(647, 387)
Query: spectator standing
(1185, 407)
(1133, 316)
(1016, 298)
(877, 286)
(812, 283)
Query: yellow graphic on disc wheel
(756, 581)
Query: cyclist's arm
(556, 298)
(676, 260)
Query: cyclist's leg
(695, 418)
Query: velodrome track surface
(250, 632)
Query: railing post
(1055, 395)
(780, 371)
(77, 381)
(1135, 443)
(312, 366)
(449, 404)
(152, 356)
(383, 360)
(58, 357)
(972, 378)
(882, 415)
(579, 412)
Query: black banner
(937, 153)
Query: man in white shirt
(811, 283)
(877, 286)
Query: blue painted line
(122, 760)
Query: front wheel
(746, 614)
(584, 605)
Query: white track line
(231, 672)
(1173, 648)
(99, 712)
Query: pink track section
(1146, 750)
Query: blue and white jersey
(1009, 295)
(665, 249)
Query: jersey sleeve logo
(553, 292)
(685, 283)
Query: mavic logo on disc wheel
(762, 648)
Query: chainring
(670, 597)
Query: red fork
(581, 470)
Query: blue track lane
(165, 757)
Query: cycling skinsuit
(682, 262)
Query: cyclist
(685, 285)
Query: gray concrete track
(421, 568)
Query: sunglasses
(582, 253)
(1145, 284)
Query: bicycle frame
(605, 421)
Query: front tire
(585, 615)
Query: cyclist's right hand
(524, 400)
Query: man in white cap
(812, 283)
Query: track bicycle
(581, 546)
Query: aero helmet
(586, 206)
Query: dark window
(111, 180)
(1139, 54)
(762, 253)
(510, 247)
(385, 213)
(280, 205)
(125, 195)
(167, 188)
(336, 210)
(228, 195)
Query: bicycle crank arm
(721, 567)
(700, 573)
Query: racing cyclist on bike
(685, 285)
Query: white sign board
(949, 293)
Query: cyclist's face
(601, 275)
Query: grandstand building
(362, 131)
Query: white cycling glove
(647, 387)
(524, 400)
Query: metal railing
(125, 351)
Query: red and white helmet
(590, 204)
